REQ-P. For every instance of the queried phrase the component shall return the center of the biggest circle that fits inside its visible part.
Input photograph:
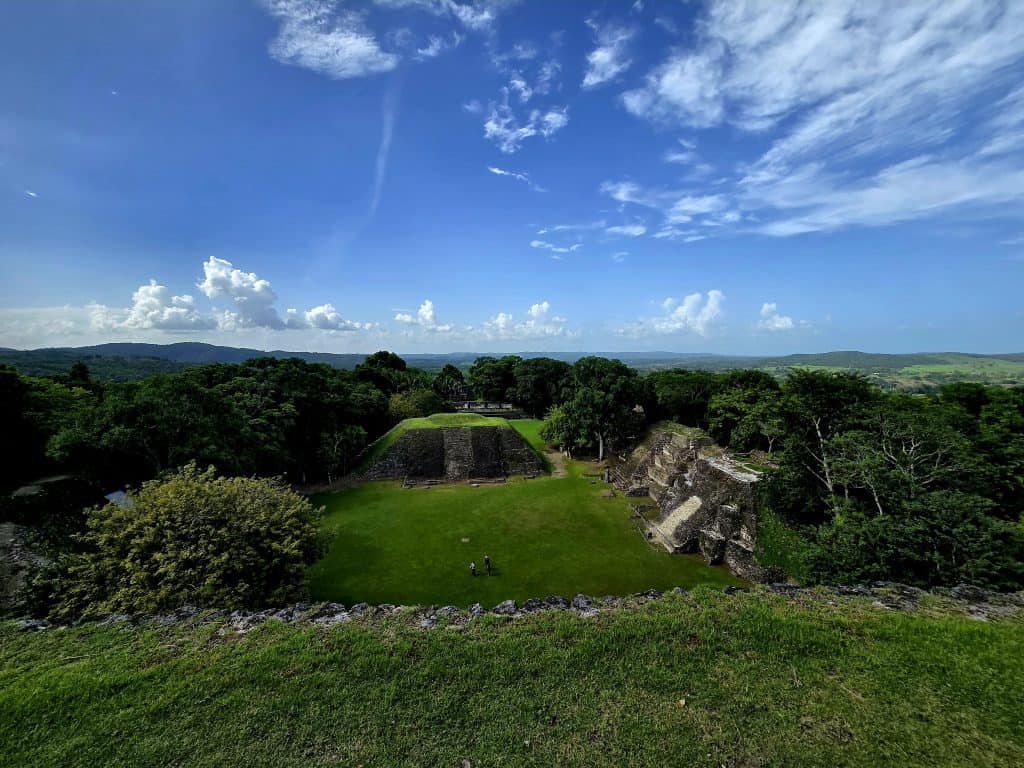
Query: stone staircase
(706, 500)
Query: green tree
(414, 403)
(538, 384)
(492, 378)
(601, 411)
(193, 538)
(449, 383)
(683, 396)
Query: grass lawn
(695, 680)
(546, 536)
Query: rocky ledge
(966, 600)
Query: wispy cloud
(609, 59)
(317, 35)
(546, 246)
(581, 227)
(627, 230)
(523, 177)
(864, 107)
(387, 129)
(30, 193)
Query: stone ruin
(457, 453)
(705, 500)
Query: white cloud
(547, 78)
(316, 35)
(326, 317)
(552, 121)
(619, 256)
(436, 45)
(868, 104)
(589, 225)
(477, 15)
(628, 230)
(609, 59)
(520, 86)
(771, 320)
(523, 177)
(424, 318)
(544, 245)
(153, 307)
(30, 193)
(539, 324)
(387, 129)
(695, 314)
(508, 131)
(252, 296)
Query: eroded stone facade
(457, 453)
(706, 501)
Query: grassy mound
(701, 680)
(380, 447)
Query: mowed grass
(545, 536)
(691, 680)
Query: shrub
(193, 538)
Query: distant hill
(121, 361)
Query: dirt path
(557, 463)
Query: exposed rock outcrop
(457, 453)
(706, 500)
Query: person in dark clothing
(472, 568)
(487, 564)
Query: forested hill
(125, 361)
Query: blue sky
(447, 175)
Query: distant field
(546, 536)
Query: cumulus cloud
(609, 59)
(771, 320)
(153, 307)
(424, 318)
(326, 318)
(252, 296)
(317, 35)
(695, 313)
(539, 324)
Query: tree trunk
(600, 447)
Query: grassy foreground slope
(698, 680)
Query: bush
(193, 538)
(940, 538)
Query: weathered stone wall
(706, 500)
(457, 453)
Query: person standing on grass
(487, 564)
(472, 567)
